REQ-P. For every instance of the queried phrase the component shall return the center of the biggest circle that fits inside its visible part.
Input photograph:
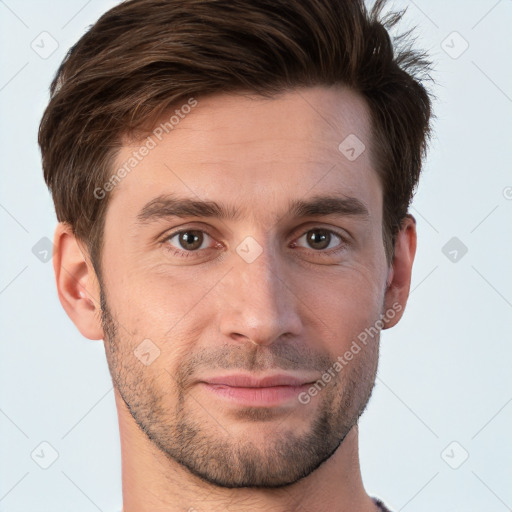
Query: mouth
(248, 390)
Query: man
(232, 181)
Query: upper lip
(250, 381)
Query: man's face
(268, 293)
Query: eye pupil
(186, 238)
(315, 238)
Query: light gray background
(444, 374)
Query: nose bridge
(257, 304)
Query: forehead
(257, 152)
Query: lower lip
(257, 397)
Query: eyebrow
(169, 205)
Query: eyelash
(187, 254)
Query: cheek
(344, 303)
(152, 300)
(164, 316)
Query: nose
(258, 303)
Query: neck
(153, 482)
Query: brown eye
(188, 240)
(321, 239)
(318, 238)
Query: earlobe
(399, 276)
(77, 285)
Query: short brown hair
(144, 56)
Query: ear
(399, 274)
(77, 284)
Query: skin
(292, 308)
